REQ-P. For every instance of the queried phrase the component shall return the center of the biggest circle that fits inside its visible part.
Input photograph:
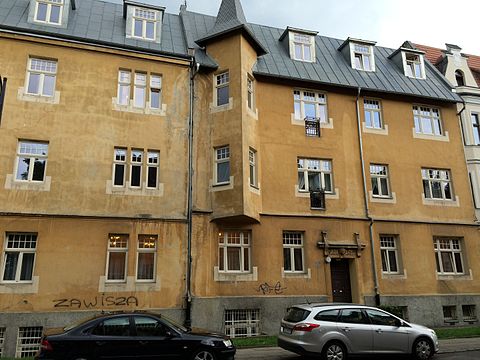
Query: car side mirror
(169, 334)
(398, 323)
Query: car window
(353, 316)
(147, 326)
(296, 315)
(381, 318)
(118, 326)
(328, 315)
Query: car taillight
(305, 327)
(46, 345)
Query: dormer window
(143, 21)
(49, 11)
(459, 78)
(413, 65)
(144, 24)
(363, 57)
(303, 47)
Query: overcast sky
(389, 22)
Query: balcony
(312, 126)
(317, 200)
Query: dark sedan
(135, 335)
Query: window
(310, 105)
(31, 161)
(155, 91)
(118, 326)
(119, 164)
(222, 165)
(146, 257)
(28, 341)
(147, 326)
(315, 175)
(222, 88)
(123, 87)
(363, 57)
(19, 258)
(242, 323)
(448, 255)
(437, 184)
(49, 11)
(380, 318)
(380, 182)
(153, 163)
(327, 315)
(427, 120)
(250, 93)
(293, 252)
(450, 313)
(143, 84)
(144, 24)
(476, 129)
(414, 66)
(373, 114)
(41, 77)
(117, 257)
(252, 160)
(353, 316)
(136, 163)
(303, 47)
(2, 340)
(136, 166)
(139, 92)
(469, 313)
(234, 251)
(460, 78)
(389, 252)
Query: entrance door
(341, 288)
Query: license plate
(286, 330)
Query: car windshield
(296, 315)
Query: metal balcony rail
(317, 199)
(3, 89)
(312, 126)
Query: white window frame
(248, 319)
(136, 163)
(451, 247)
(10, 238)
(222, 80)
(221, 157)
(49, 4)
(45, 67)
(124, 82)
(303, 41)
(475, 121)
(409, 65)
(293, 240)
(301, 97)
(28, 341)
(155, 87)
(304, 166)
(442, 176)
(250, 92)
(226, 240)
(147, 249)
(428, 114)
(373, 107)
(114, 249)
(377, 173)
(118, 161)
(354, 52)
(253, 167)
(140, 85)
(388, 246)
(32, 156)
(153, 162)
(137, 16)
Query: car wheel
(334, 351)
(423, 349)
(203, 355)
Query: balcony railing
(317, 199)
(3, 89)
(312, 126)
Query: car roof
(311, 306)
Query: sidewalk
(446, 346)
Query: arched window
(460, 78)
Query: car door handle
(100, 343)
(346, 329)
(143, 342)
(379, 331)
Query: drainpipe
(3, 90)
(365, 198)
(188, 296)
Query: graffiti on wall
(266, 288)
(97, 301)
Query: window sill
(383, 200)
(444, 138)
(221, 276)
(301, 122)
(126, 191)
(252, 112)
(219, 108)
(254, 189)
(130, 285)
(222, 187)
(296, 275)
(452, 277)
(440, 202)
(12, 287)
(399, 276)
(147, 110)
(23, 96)
(11, 184)
(370, 130)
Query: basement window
(450, 314)
(242, 323)
(28, 341)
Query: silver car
(336, 330)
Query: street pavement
(454, 349)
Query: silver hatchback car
(336, 330)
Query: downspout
(3, 89)
(365, 198)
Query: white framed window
(389, 253)
(310, 104)
(28, 341)
(242, 323)
(293, 252)
(437, 184)
(222, 165)
(252, 161)
(155, 91)
(380, 181)
(314, 175)
(140, 90)
(250, 93)
(373, 114)
(19, 257)
(41, 77)
(476, 128)
(153, 165)
(119, 166)
(31, 164)
(146, 257)
(117, 257)
(427, 120)
(448, 256)
(234, 251)
(136, 164)
(144, 24)
(222, 88)
(124, 79)
(414, 66)
(303, 47)
(362, 57)
(49, 11)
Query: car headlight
(227, 343)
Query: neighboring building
(323, 170)
(463, 72)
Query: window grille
(2, 340)
(469, 313)
(317, 199)
(312, 127)
(242, 323)
(28, 341)
(450, 313)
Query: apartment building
(220, 171)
